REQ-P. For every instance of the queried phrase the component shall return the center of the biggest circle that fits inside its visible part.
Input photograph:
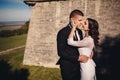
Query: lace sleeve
(83, 43)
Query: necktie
(76, 38)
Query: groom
(69, 56)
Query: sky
(14, 10)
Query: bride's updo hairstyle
(93, 30)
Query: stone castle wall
(47, 18)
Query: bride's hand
(73, 23)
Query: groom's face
(78, 19)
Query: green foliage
(6, 33)
(22, 30)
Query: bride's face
(85, 26)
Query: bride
(86, 46)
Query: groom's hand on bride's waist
(83, 58)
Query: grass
(15, 59)
(11, 42)
(12, 68)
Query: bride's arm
(71, 35)
(82, 43)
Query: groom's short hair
(76, 11)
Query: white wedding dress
(85, 48)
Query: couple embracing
(75, 50)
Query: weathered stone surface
(47, 18)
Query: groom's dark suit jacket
(70, 67)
